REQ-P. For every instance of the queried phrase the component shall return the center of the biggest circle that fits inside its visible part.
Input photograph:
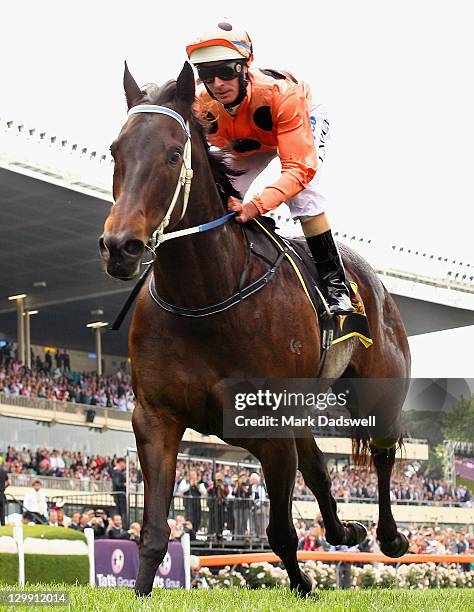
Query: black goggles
(225, 71)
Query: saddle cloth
(265, 242)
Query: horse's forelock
(155, 94)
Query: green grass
(469, 484)
(8, 568)
(45, 532)
(90, 599)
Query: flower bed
(412, 576)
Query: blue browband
(161, 110)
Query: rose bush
(323, 575)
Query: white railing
(60, 407)
(66, 483)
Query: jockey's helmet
(224, 43)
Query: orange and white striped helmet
(226, 42)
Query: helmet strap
(243, 83)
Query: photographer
(242, 505)
(217, 494)
(115, 531)
(192, 490)
(99, 524)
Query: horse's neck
(205, 268)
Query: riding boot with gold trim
(331, 271)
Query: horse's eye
(174, 157)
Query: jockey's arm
(296, 150)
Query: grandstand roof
(49, 235)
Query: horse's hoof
(395, 548)
(357, 534)
(303, 588)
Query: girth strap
(219, 307)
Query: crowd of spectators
(200, 478)
(51, 378)
(351, 483)
(55, 463)
(423, 539)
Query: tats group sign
(116, 564)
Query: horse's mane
(154, 94)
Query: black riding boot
(329, 263)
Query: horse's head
(148, 156)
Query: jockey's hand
(245, 212)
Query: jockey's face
(225, 92)
(222, 79)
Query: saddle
(266, 243)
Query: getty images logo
(117, 560)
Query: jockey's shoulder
(267, 83)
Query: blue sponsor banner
(116, 565)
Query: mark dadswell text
(320, 420)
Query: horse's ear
(185, 86)
(132, 92)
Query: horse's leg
(280, 479)
(392, 542)
(313, 467)
(158, 439)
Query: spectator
(4, 482)
(192, 490)
(260, 508)
(175, 534)
(85, 522)
(35, 502)
(242, 505)
(217, 494)
(48, 361)
(314, 540)
(27, 519)
(53, 518)
(134, 533)
(62, 518)
(58, 358)
(66, 361)
(99, 523)
(189, 529)
(115, 529)
(120, 489)
(75, 521)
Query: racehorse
(179, 363)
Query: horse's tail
(361, 446)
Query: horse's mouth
(118, 272)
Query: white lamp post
(97, 326)
(20, 308)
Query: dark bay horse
(179, 363)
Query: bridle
(185, 174)
(184, 182)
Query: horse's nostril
(103, 247)
(133, 247)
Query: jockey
(255, 115)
